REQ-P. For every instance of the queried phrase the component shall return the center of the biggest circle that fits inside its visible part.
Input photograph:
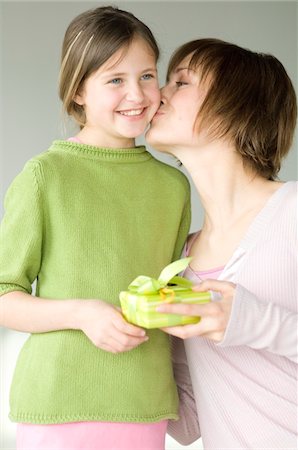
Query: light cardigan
(84, 222)
(244, 392)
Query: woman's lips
(158, 114)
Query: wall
(31, 36)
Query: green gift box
(144, 294)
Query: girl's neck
(91, 136)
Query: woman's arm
(102, 323)
(185, 430)
(239, 318)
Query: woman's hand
(106, 328)
(214, 315)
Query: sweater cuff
(5, 288)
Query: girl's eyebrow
(108, 74)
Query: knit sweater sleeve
(184, 226)
(261, 325)
(21, 232)
(186, 430)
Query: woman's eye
(147, 76)
(116, 81)
(181, 83)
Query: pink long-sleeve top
(241, 393)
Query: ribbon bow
(147, 285)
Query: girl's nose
(135, 93)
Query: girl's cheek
(157, 96)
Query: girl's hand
(106, 328)
(214, 315)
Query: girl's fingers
(127, 328)
(121, 342)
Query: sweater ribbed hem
(56, 419)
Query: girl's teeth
(134, 112)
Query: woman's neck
(229, 193)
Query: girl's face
(173, 126)
(121, 97)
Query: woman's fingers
(207, 328)
(185, 309)
(224, 287)
(214, 316)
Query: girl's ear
(78, 99)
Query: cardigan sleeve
(261, 325)
(21, 232)
(186, 430)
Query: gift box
(144, 294)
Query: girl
(84, 219)
(229, 114)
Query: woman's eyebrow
(179, 69)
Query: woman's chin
(160, 147)
(155, 142)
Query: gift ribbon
(147, 285)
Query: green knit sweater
(84, 222)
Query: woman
(229, 114)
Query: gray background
(31, 37)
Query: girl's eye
(116, 81)
(147, 76)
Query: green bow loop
(181, 283)
(172, 269)
(147, 285)
(144, 285)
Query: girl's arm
(102, 323)
(239, 318)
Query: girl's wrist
(74, 316)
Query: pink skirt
(92, 436)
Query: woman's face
(173, 126)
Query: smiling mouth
(132, 112)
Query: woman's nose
(164, 93)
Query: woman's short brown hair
(250, 100)
(90, 40)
